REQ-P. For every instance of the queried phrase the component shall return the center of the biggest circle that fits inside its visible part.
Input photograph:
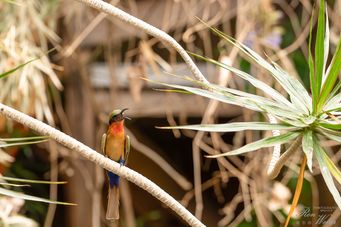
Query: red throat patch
(116, 127)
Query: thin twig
(149, 29)
(99, 159)
(158, 160)
(53, 187)
(127, 203)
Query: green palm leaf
(233, 127)
(325, 171)
(266, 142)
(14, 194)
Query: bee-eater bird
(115, 145)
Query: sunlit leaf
(308, 148)
(14, 194)
(318, 151)
(313, 87)
(266, 142)
(326, 46)
(233, 127)
(331, 126)
(31, 181)
(24, 138)
(331, 134)
(255, 82)
(333, 102)
(290, 84)
(333, 72)
(13, 185)
(335, 90)
(331, 166)
(319, 47)
(3, 145)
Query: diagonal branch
(149, 29)
(100, 160)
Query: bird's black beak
(122, 111)
(125, 117)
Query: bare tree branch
(100, 160)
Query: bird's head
(117, 115)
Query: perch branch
(100, 160)
(149, 29)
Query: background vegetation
(97, 67)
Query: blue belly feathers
(114, 180)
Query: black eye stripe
(115, 118)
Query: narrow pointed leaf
(313, 86)
(14, 194)
(31, 181)
(7, 73)
(319, 47)
(333, 102)
(333, 72)
(308, 148)
(256, 104)
(255, 82)
(331, 134)
(326, 174)
(290, 84)
(3, 145)
(331, 126)
(331, 166)
(233, 127)
(298, 94)
(24, 138)
(335, 89)
(326, 45)
(266, 142)
(14, 185)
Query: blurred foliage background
(97, 67)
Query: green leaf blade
(233, 127)
(318, 150)
(331, 126)
(3, 145)
(319, 47)
(7, 73)
(308, 148)
(24, 138)
(14, 194)
(312, 69)
(255, 82)
(266, 142)
(31, 181)
(331, 78)
(332, 167)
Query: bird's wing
(126, 148)
(103, 142)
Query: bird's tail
(113, 204)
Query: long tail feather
(113, 204)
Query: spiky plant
(6, 159)
(304, 120)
